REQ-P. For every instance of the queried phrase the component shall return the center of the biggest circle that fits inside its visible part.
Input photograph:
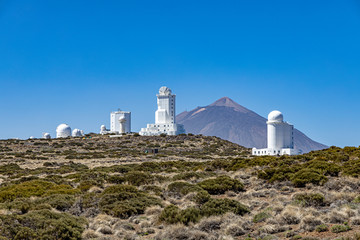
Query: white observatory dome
(275, 116)
(102, 128)
(63, 131)
(164, 91)
(77, 133)
(46, 136)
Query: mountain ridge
(231, 121)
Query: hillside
(196, 187)
(229, 120)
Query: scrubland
(196, 187)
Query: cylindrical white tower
(122, 121)
(275, 134)
(63, 131)
(102, 129)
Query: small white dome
(275, 116)
(46, 136)
(164, 91)
(63, 131)
(76, 133)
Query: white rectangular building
(120, 122)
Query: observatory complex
(164, 116)
(280, 137)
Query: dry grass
(288, 218)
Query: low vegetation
(196, 187)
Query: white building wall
(115, 125)
(166, 109)
(288, 136)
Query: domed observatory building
(164, 116)
(280, 137)
(46, 136)
(63, 131)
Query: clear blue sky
(75, 61)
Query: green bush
(357, 199)
(326, 168)
(352, 168)
(172, 214)
(10, 169)
(61, 202)
(138, 178)
(124, 201)
(306, 175)
(84, 186)
(202, 197)
(182, 188)
(116, 179)
(309, 199)
(221, 184)
(260, 217)
(34, 188)
(152, 188)
(322, 228)
(340, 228)
(42, 224)
(191, 175)
(221, 206)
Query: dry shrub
(269, 229)
(124, 225)
(183, 233)
(355, 221)
(153, 210)
(89, 234)
(336, 217)
(105, 230)
(102, 220)
(311, 211)
(334, 196)
(235, 230)
(130, 236)
(278, 208)
(145, 224)
(95, 189)
(309, 223)
(291, 215)
(341, 184)
(348, 211)
(210, 224)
